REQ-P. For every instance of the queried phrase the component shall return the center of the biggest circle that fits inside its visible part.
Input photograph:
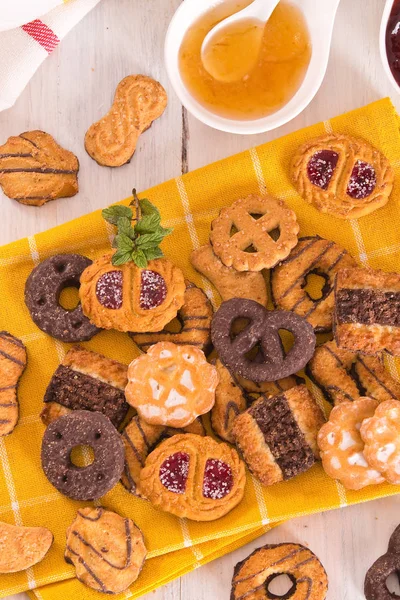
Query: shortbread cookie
(138, 101)
(22, 547)
(35, 169)
(311, 256)
(193, 477)
(277, 437)
(342, 448)
(82, 428)
(194, 318)
(171, 385)
(367, 311)
(107, 550)
(42, 297)
(343, 375)
(253, 575)
(13, 361)
(381, 436)
(242, 236)
(343, 176)
(230, 400)
(375, 584)
(128, 298)
(88, 381)
(229, 282)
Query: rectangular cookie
(87, 381)
(367, 311)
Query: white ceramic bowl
(382, 44)
(320, 19)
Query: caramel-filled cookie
(277, 437)
(35, 169)
(22, 547)
(13, 361)
(138, 101)
(107, 550)
(253, 575)
(87, 381)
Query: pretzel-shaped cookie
(251, 247)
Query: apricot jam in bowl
(248, 96)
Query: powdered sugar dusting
(218, 479)
(174, 472)
(153, 289)
(321, 167)
(362, 181)
(109, 289)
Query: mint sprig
(139, 232)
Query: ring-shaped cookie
(42, 297)
(82, 428)
(312, 255)
(271, 363)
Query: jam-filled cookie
(367, 311)
(311, 256)
(277, 437)
(343, 375)
(13, 361)
(253, 575)
(171, 384)
(381, 436)
(342, 448)
(194, 477)
(343, 176)
(130, 298)
(194, 318)
(107, 550)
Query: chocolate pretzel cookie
(375, 587)
(367, 311)
(278, 436)
(87, 381)
(343, 375)
(311, 256)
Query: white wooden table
(74, 87)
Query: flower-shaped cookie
(342, 450)
(381, 436)
(171, 384)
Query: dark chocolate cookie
(375, 587)
(42, 293)
(82, 427)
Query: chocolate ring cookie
(375, 587)
(253, 576)
(311, 256)
(42, 294)
(270, 363)
(82, 427)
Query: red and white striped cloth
(23, 49)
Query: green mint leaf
(125, 227)
(139, 258)
(147, 208)
(148, 223)
(120, 258)
(148, 240)
(165, 230)
(124, 243)
(113, 213)
(152, 253)
(114, 243)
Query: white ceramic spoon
(249, 42)
(320, 17)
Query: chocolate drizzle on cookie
(368, 307)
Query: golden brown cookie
(22, 547)
(87, 381)
(35, 169)
(343, 176)
(341, 446)
(230, 400)
(13, 360)
(253, 575)
(277, 437)
(243, 235)
(229, 282)
(194, 319)
(269, 388)
(343, 375)
(367, 311)
(138, 101)
(311, 256)
(107, 550)
(128, 298)
(193, 477)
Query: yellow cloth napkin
(188, 204)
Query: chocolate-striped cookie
(230, 400)
(278, 436)
(12, 364)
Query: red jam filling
(218, 479)
(174, 472)
(109, 289)
(362, 181)
(393, 40)
(153, 290)
(321, 166)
